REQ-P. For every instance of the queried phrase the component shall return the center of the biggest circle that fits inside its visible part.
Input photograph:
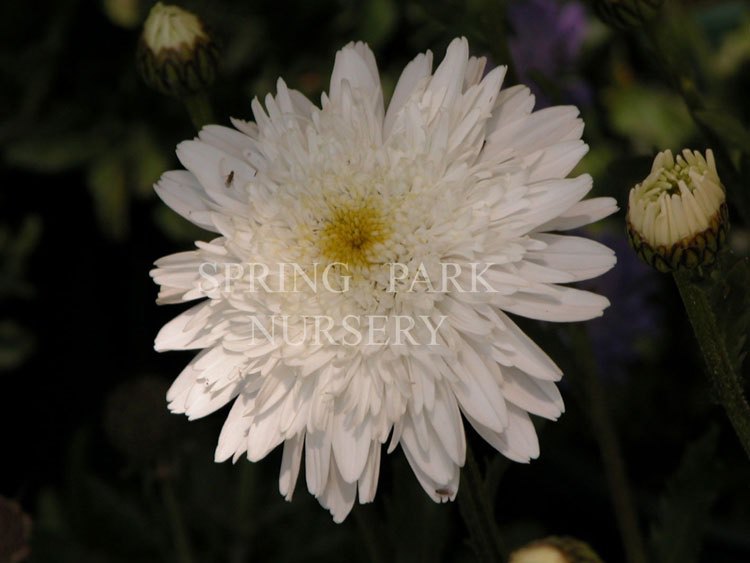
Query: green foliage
(684, 507)
(16, 344)
(16, 341)
(649, 117)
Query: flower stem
(477, 513)
(199, 108)
(722, 374)
(176, 522)
(609, 446)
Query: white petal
(562, 304)
(355, 64)
(476, 389)
(368, 482)
(187, 331)
(338, 496)
(439, 491)
(447, 82)
(580, 257)
(518, 442)
(219, 174)
(233, 437)
(556, 161)
(415, 72)
(432, 460)
(582, 213)
(181, 191)
(532, 395)
(546, 200)
(351, 446)
(446, 421)
(264, 434)
(290, 463)
(317, 460)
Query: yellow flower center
(351, 234)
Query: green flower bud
(176, 55)
(555, 549)
(626, 14)
(125, 13)
(677, 217)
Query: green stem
(609, 446)
(477, 513)
(176, 522)
(724, 378)
(199, 108)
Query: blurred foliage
(108, 475)
(649, 117)
(685, 505)
(16, 341)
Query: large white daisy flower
(410, 233)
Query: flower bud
(176, 55)
(555, 550)
(626, 14)
(677, 217)
(15, 532)
(125, 13)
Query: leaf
(726, 127)
(378, 21)
(15, 250)
(61, 144)
(649, 117)
(108, 187)
(684, 507)
(16, 344)
(146, 159)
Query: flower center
(352, 232)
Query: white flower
(457, 180)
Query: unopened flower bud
(555, 550)
(677, 217)
(626, 14)
(176, 55)
(125, 13)
(15, 532)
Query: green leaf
(377, 21)
(61, 144)
(146, 159)
(649, 117)
(726, 127)
(16, 344)
(683, 509)
(108, 187)
(15, 250)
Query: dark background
(89, 449)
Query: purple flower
(546, 39)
